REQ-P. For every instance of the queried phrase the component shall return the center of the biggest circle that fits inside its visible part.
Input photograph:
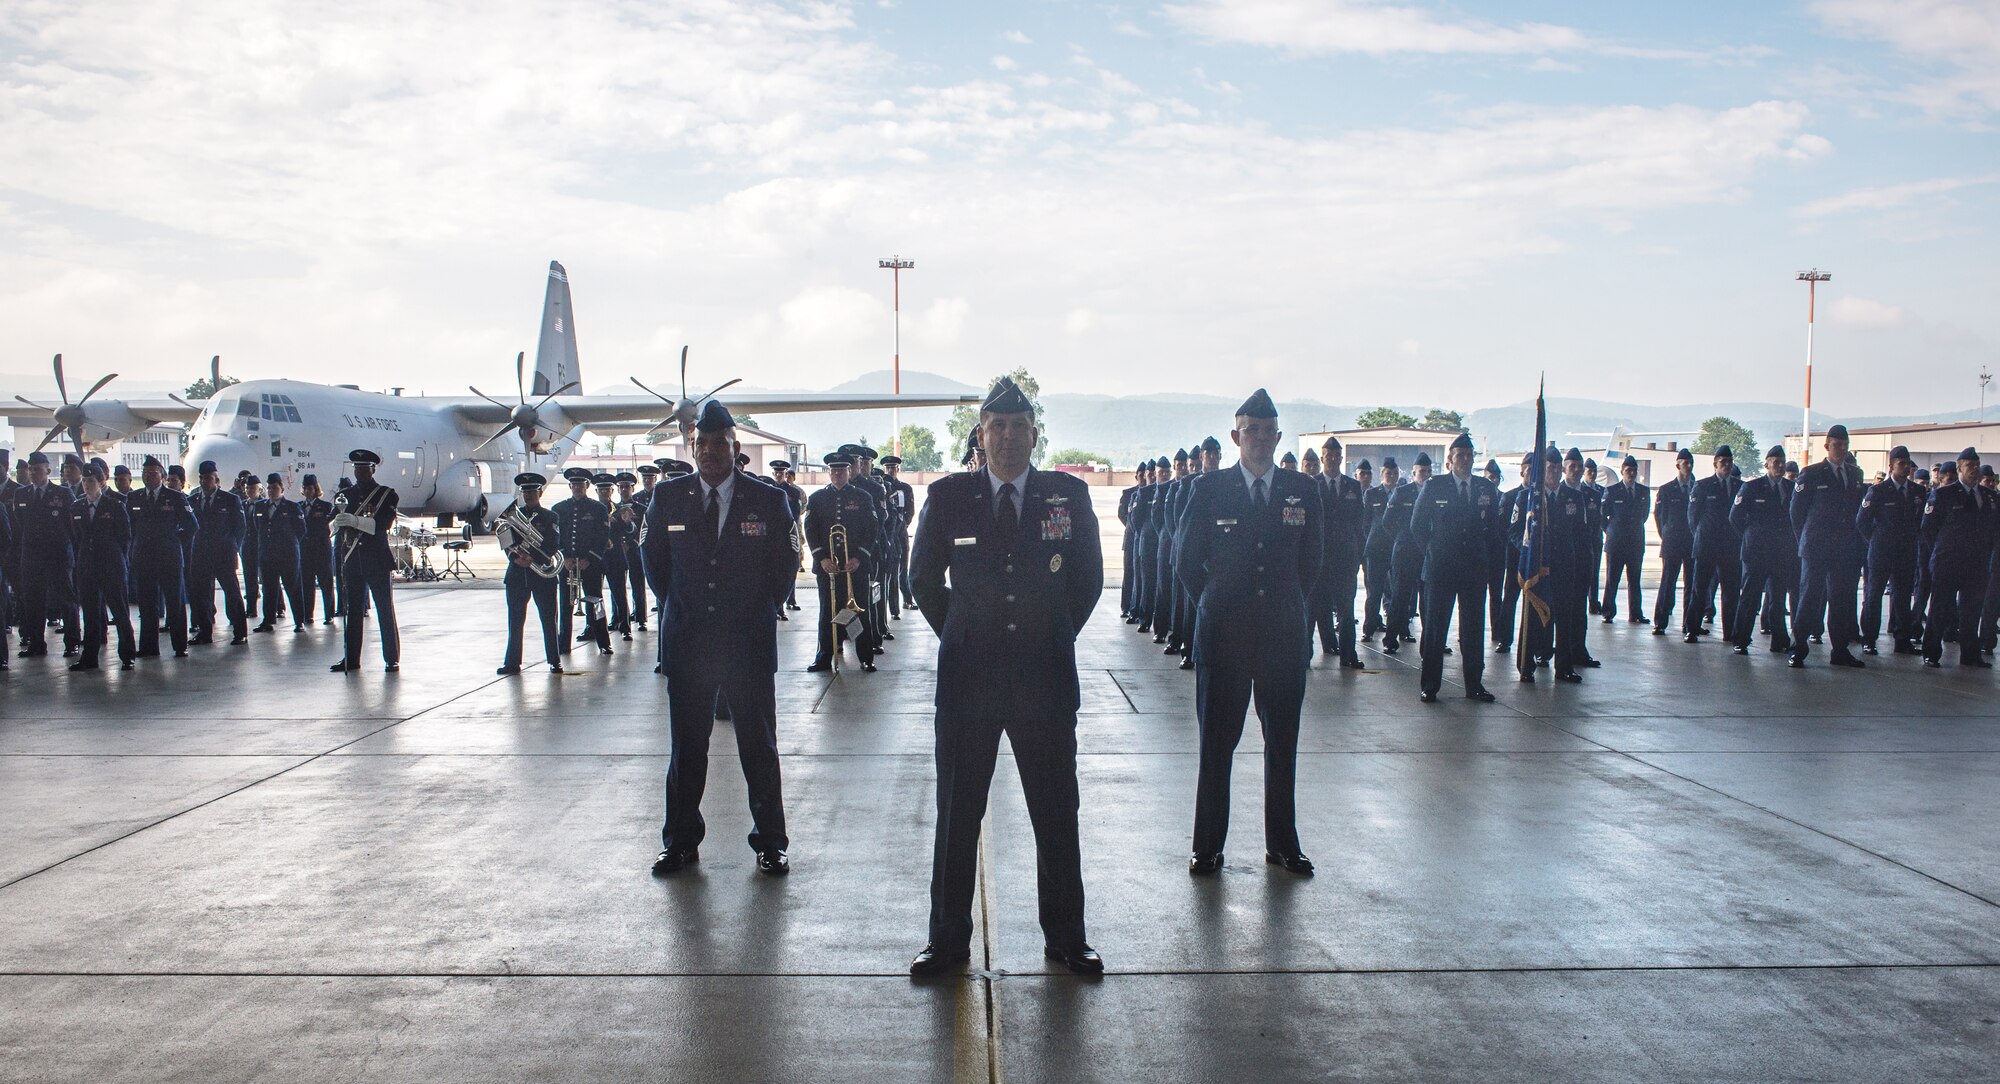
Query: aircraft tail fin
(555, 356)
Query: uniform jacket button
(1010, 627)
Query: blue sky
(1345, 200)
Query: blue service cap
(275, 479)
(1970, 453)
(363, 455)
(1574, 455)
(152, 462)
(1259, 405)
(714, 417)
(1463, 440)
(1836, 432)
(1898, 452)
(1365, 465)
(604, 478)
(206, 467)
(1775, 451)
(1423, 459)
(1388, 462)
(625, 478)
(576, 474)
(1210, 444)
(530, 480)
(37, 459)
(1722, 452)
(1684, 456)
(1006, 397)
(308, 479)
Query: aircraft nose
(230, 456)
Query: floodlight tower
(1812, 279)
(896, 265)
(1985, 378)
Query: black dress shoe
(673, 861)
(1690, 638)
(1818, 639)
(238, 641)
(773, 862)
(886, 635)
(1740, 649)
(1293, 863)
(1480, 695)
(1781, 647)
(201, 640)
(1205, 864)
(1608, 619)
(936, 961)
(1590, 663)
(556, 668)
(1979, 663)
(1345, 664)
(1080, 959)
(83, 666)
(263, 628)
(1188, 663)
(1390, 647)
(1428, 698)
(392, 668)
(125, 664)
(1572, 677)
(1869, 649)
(1636, 620)
(1160, 639)
(1172, 648)
(1659, 630)
(180, 654)
(1796, 662)
(1845, 659)
(339, 668)
(819, 668)
(1907, 649)
(1932, 663)
(867, 667)
(506, 670)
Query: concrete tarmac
(1693, 867)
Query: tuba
(519, 537)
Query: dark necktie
(711, 517)
(1004, 513)
(1257, 494)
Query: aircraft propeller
(686, 410)
(69, 417)
(521, 417)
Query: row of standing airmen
(1794, 555)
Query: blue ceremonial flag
(1533, 573)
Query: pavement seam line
(903, 976)
(1719, 792)
(995, 1071)
(4, 885)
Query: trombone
(843, 615)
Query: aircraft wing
(600, 409)
(113, 412)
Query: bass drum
(405, 556)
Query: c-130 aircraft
(445, 455)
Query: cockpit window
(245, 408)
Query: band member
(1251, 543)
(721, 553)
(583, 529)
(619, 533)
(842, 585)
(367, 510)
(532, 570)
(626, 518)
(101, 531)
(1006, 569)
(279, 552)
(250, 492)
(903, 502)
(162, 524)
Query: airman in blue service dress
(279, 554)
(1627, 503)
(1006, 571)
(1825, 503)
(367, 511)
(1514, 505)
(1345, 535)
(1670, 521)
(1457, 523)
(1251, 544)
(1890, 519)
(40, 512)
(722, 556)
(163, 524)
(316, 552)
(218, 542)
(1127, 498)
(1761, 516)
(1406, 556)
(524, 584)
(101, 532)
(1718, 549)
(1959, 523)
(626, 518)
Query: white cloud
(1409, 348)
(1886, 197)
(1863, 313)
(1018, 38)
(1960, 37)
(1347, 26)
(1079, 322)
(1005, 63)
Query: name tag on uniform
(676, 526)
(1225, 523)
(1293, 516)
(964, 541)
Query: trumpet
(519, 537)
